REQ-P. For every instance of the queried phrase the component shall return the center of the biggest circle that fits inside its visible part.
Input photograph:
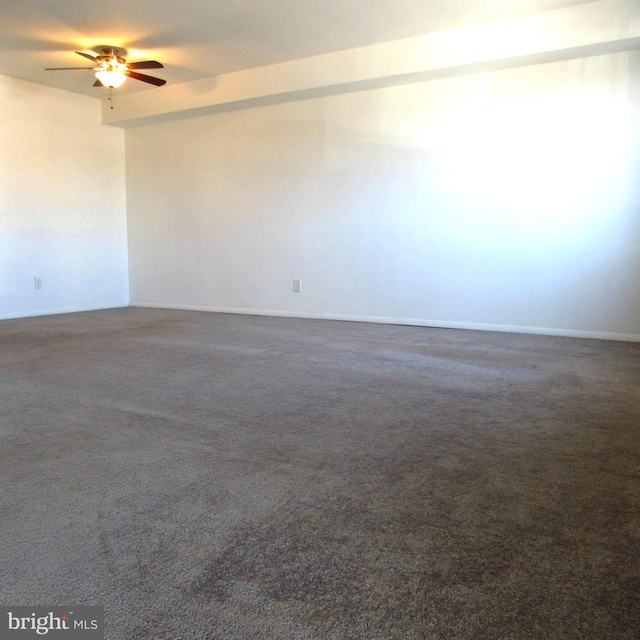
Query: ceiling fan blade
(97, 83)
(141, 76)
(86, 55)
(145, 64)
(68, 68)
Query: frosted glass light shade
(111, 79)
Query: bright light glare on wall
(541, 168)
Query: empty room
(320, 320)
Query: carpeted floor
(208, 476)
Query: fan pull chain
(111, 96)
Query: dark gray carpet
(235, 477)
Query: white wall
(62, 203)
(504, 200)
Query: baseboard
(52, 312)
(416, 322)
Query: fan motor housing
(109, 53)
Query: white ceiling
(202, 38)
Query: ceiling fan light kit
(111, 78)
(112, 69)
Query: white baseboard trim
(52, 312)
(416, 322)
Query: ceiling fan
(112, 69)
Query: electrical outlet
(297, 286)
(37, 282)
